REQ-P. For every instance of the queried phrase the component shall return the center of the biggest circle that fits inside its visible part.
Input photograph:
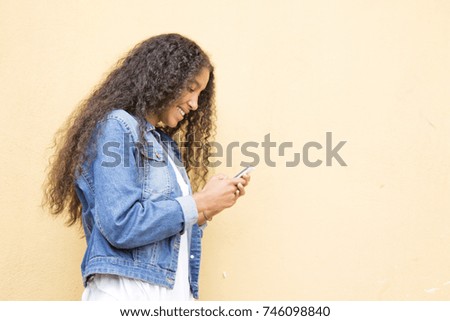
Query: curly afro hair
(147, 80)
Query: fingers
(240, 191)
(246, 177)
(223, 192)
(236, 181)
(234, 186)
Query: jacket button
(192, 257)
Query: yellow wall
(374, 73)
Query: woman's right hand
(218, 194)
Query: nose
(193, 103)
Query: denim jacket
(132, 208)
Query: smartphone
(244, 171)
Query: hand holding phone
(215, 196)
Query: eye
(191, 90)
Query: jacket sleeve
(122, 216)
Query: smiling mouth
(181, 111)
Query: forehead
(202, 78)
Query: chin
(172, 124)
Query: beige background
(374, 73)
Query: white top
(115, 287)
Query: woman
(118, 171)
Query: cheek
(166, 114)
(170, 117)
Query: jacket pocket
(147, 254)
(156, 173)
(160, 254)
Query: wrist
(200, 201)
(207, 217)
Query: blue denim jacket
(132, 208)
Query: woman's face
(188, 101)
